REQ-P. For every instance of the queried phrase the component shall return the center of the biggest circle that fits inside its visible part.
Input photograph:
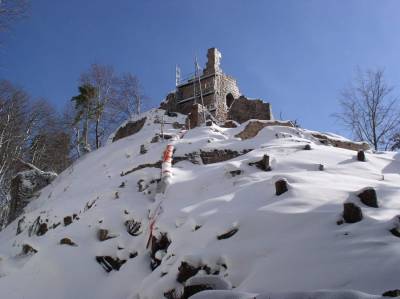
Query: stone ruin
(221, 97)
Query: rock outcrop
(255, 126)
(130, 128)
(24, 188)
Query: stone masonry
(221, 96)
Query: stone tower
(220, 94)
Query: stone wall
(244, 109)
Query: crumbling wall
(244, 109)
(195, 117)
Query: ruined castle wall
(244, 109)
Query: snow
(287, 246)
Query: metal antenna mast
(197, 77)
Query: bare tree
(130, 96)
(11, 11)
(104, 80)
(369, 110)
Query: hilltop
(224, 224)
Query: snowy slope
(283, 244)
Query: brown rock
(253, 127)
(215, 156)
(351, 213)
(129, 129)
(369, 198)
(67, 220)
(103, 235)
(185, 271)
(42, 229)
(67, 241)
(109, 263)
(28, 249)
(263, 164)
(143, 149)
(361, 156)
(133, 227)
(230, 124)
(228, 234)
(281, 186)
(350, 145)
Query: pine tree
(86, 110)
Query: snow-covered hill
(220, 225)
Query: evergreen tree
(86, 110)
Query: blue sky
(296, 54)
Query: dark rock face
(230, 124)
(24, 187)
(216, 156)
(391, 293)
(109, 263)
(28, 249)
(129, 129)
(281, 186)
(351, 213)
(350, 145)
(67, 241)
(235, 172)
(161, 243)
(143, 149)
(42, 229)
(369, 198)
(307, 147)
(228, 234)
(243, 109)
(263, 164)
(104, 235)
(253, 127)
(67, 220)
(185, 271)
(133, 227)
(361, 156)
(189, 291)
(395, 232)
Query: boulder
(24, 188)
(281, 186)
(104, 235)
(186, 271)
(368, 197)
(67, 220)
(345, 144)
(263, 164)
(130, 128)
(110, 263)
(67, 241)
(215, 156)
(228, 234)
(28, 250)
(158, 244)
(133, 227)
(361, 156)
(254, 126)
(352, 213)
